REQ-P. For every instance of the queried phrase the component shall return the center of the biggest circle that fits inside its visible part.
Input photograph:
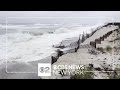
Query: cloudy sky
(59, 16)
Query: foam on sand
(25, 47)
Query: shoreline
(68, 56)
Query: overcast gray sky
(99, 16)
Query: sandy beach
(28, 70)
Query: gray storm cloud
(100, 16)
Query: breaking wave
(31, 44)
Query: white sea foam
(26, 47)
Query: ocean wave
(32, 46)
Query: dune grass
(86, 74)
(115, 74)
(117, 38)
(108, 48)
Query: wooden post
(102, 38)
(53, 59)
(78, 44)
(98, 41)
(60, 53)
(105, 36)
(93, 44)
